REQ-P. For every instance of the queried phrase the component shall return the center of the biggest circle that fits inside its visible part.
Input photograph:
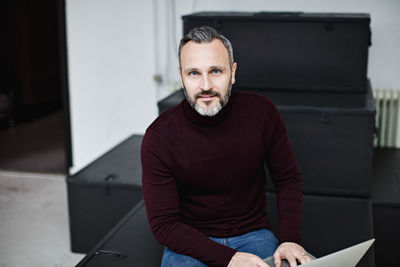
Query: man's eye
(193, 73)
(216, 71)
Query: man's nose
(206, 83)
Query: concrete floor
(34, 221)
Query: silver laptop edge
(348, 257)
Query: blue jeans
(260, 242)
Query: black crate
(294, 51)
(330, 224)
(129, 243)
(386, 205)
(331, 135)
(103, 192)
(332, 142)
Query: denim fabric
(260, 242)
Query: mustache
(205, 93)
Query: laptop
(348, 257)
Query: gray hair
(205, 34)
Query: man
(203, 167)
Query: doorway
(34, 115)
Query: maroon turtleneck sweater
(204, 176)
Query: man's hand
(243, 259)
(290, 251)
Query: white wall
(111, 64)
(384, 55)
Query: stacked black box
(313, 66)
(332, 219)
(294, 51)
(103, 192)
(332, 142)
(330, 224)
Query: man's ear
(180, 74)
(234, 66)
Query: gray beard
(210, 112)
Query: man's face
(206, 75)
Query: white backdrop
(110, 63)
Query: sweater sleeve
(162, 206)
(285, 176)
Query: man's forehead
(213, 53)
(214, 44)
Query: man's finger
(302, 259)
(292, 261)
(308, 259)
(277, 260)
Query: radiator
(387, 112)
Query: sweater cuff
(226, 256)
(289, 236)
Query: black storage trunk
(386, 205)
(294, 51)
(103, 192)
(129, 243)
(330, 224)
(331, 135)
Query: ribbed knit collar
(193, 116)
